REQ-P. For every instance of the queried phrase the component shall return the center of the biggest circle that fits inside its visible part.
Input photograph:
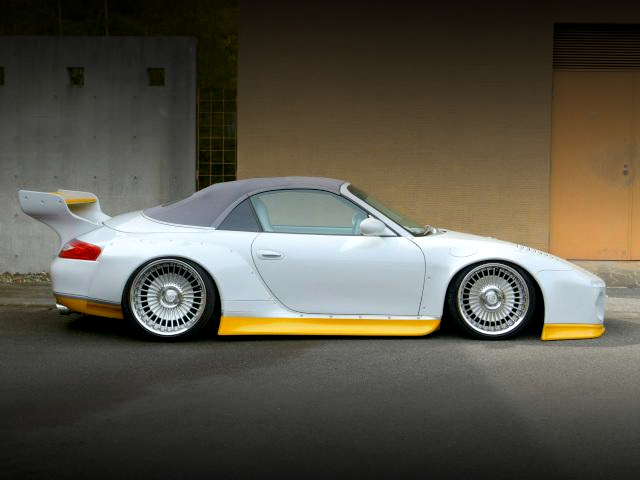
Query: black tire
(169, 299)
(491, 300)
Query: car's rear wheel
(492, 300)
(169, 298)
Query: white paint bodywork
(570, 294)
(348, 275)
(68, 220)
(303, 276)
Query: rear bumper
(72, 278)
(90, 307)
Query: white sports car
(303, 256)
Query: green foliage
(213, 22)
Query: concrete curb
(26, 295)
(623, 305)
(614, 273)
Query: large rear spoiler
(69, 213)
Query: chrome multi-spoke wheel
(169, 298)
(492, 300)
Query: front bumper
(574, 304)
(571, 331)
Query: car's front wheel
(492, 300)
(169, 298)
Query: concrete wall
(441, 108)
(130, 143)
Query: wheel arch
(143, 262)
(539, 311)
(225, 264)
(188, 320)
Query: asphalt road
(80, 398)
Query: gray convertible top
(209, 206)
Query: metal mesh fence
(216, 137)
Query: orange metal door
(592, 166)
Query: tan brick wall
(444, 112)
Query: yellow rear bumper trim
(571, 331)
(91, 308)
(325, 326)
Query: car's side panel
(571, 297)
(341, 275)
(225, 255)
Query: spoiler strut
(68, 212)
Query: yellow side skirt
(571, 331)
(325, 326)
(91, 308)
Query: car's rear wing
(67, 212)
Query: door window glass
(307, 211)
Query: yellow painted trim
(325, 326)
(91, 308)
(571, 331)
(75, 200)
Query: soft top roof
(209, 206)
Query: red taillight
(79, 250)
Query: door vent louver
(596, 46)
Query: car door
(313, 259)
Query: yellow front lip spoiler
(571, 331)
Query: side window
(307, 211)
(241, 219)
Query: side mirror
(372, 227)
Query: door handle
(270, 255)
(625, 170)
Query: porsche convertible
(303, 256)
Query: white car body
(393, 283)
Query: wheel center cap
(492, 298)
(170, 297)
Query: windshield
(405, 222)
